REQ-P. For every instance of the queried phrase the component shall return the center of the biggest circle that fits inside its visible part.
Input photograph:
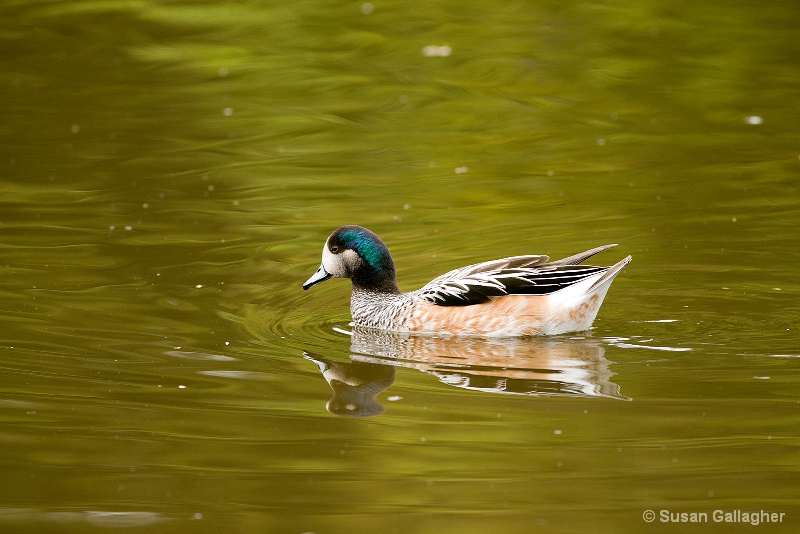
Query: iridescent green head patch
(367, 245)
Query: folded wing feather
(478, 283)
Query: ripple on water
(300, 320)
(92, 517)
(238, 375)
(189, 355)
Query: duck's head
(358, 254)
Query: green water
(169, 172)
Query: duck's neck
(370, 280)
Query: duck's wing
(527, 275)
(476, 283)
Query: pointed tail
(582, 256)
(609, 275)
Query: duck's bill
(320, 276)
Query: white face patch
(330, 262)
(340, 265)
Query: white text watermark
(750, 517)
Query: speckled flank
(379, 310)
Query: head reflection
(355, 386)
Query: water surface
(170, 170)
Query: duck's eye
(335, 249)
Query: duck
(508, 297)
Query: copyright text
(751, 517)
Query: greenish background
(169, 171)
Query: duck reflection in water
(355, 385)
(571, 367)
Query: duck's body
(516, 296)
